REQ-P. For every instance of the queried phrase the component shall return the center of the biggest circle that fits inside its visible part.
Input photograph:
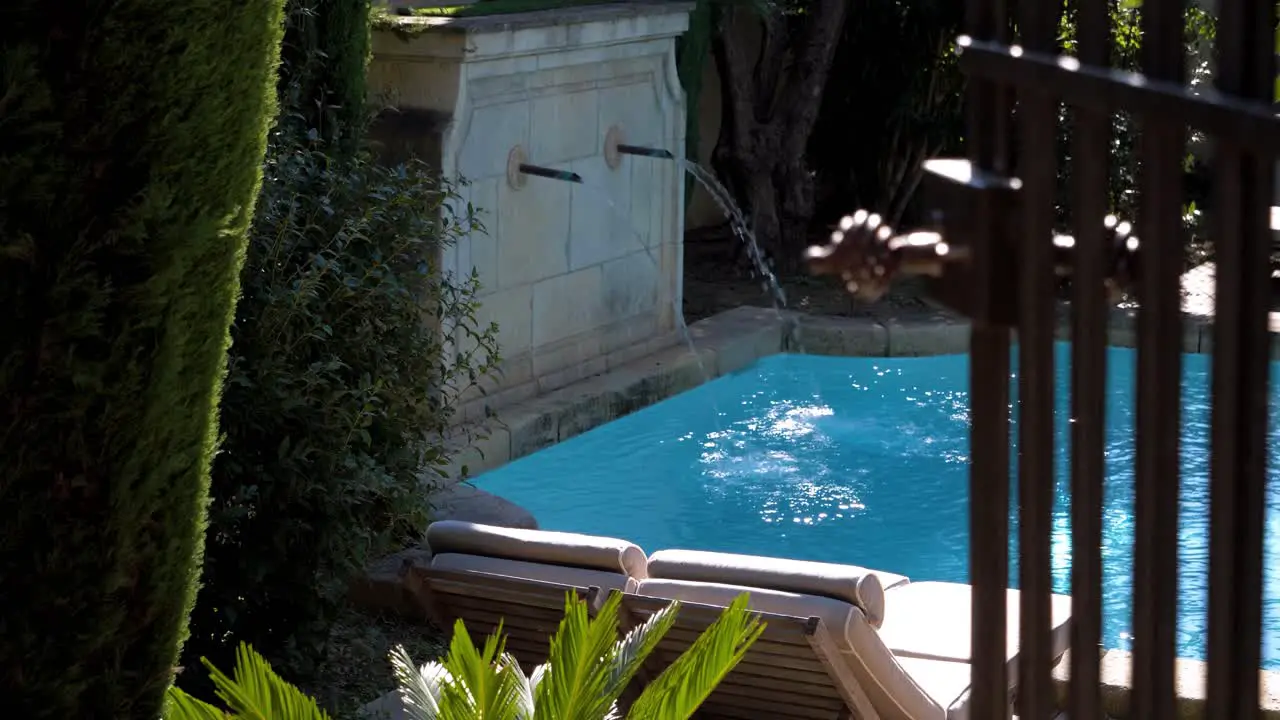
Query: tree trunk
(131, 143)
(772, 103)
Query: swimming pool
(864, 461)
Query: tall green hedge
(131, 138)
(325, 57)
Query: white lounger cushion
(539, 546)
(946, 682)
(559, 574)
(931, 620)
(887, 684)
(855, 585)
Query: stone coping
(726, 343)
(1189, 681)
(570, 14)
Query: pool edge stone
(838, 336)
(1116, 672)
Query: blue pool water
(864, 461)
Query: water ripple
(865, 461)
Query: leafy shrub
(900, 103)
(487, 682)
(1123, 188)
(324, 58)
(338, 391)
(253, 691)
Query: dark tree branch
(808, 76)
(769, 66)
(736, 74)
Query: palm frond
(687, 682)
(257, 693)
(535, 677)
(577, 674)
(419, 687)
(630, 652)
(479, 687)
(181, 706)
(523, 686)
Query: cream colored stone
(471, 504)
(545, 81)
(533, 231)
(641, 201)
(564, 127)
(846, 337)
(738, 337)
(1122, 331)
(600, 225)
(476, 447)
(533, 425)
(631, 285)
(628, 332)
(565, 79)
(571, 374)
(512, 310)
(519, 65)
(597, 54)
(634, 106)
(932, 335)
(492, 131)
(1189, 684)
(504, 89)
(569, 352)
(630, 353)
(492, 404)
(483, 243)
(566, 305)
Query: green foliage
(587, 670)
(1123, 187)
(253, 692)
(131, 142)
(349, 346)
(324, 57)
(895, 101)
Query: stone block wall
(572, 273)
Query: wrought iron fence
(992, 258)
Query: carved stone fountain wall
(578, 276)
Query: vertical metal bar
(987, 123)
(1037, 167)
(1159, 397)
(1088, 372)
(1241, 352)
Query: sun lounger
(907, 647)
(930, 620)
(794, 671)
(482, 574)
(839, 644)
(529, 610)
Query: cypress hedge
(131, 139)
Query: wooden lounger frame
(793, 671)
(530, 610)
